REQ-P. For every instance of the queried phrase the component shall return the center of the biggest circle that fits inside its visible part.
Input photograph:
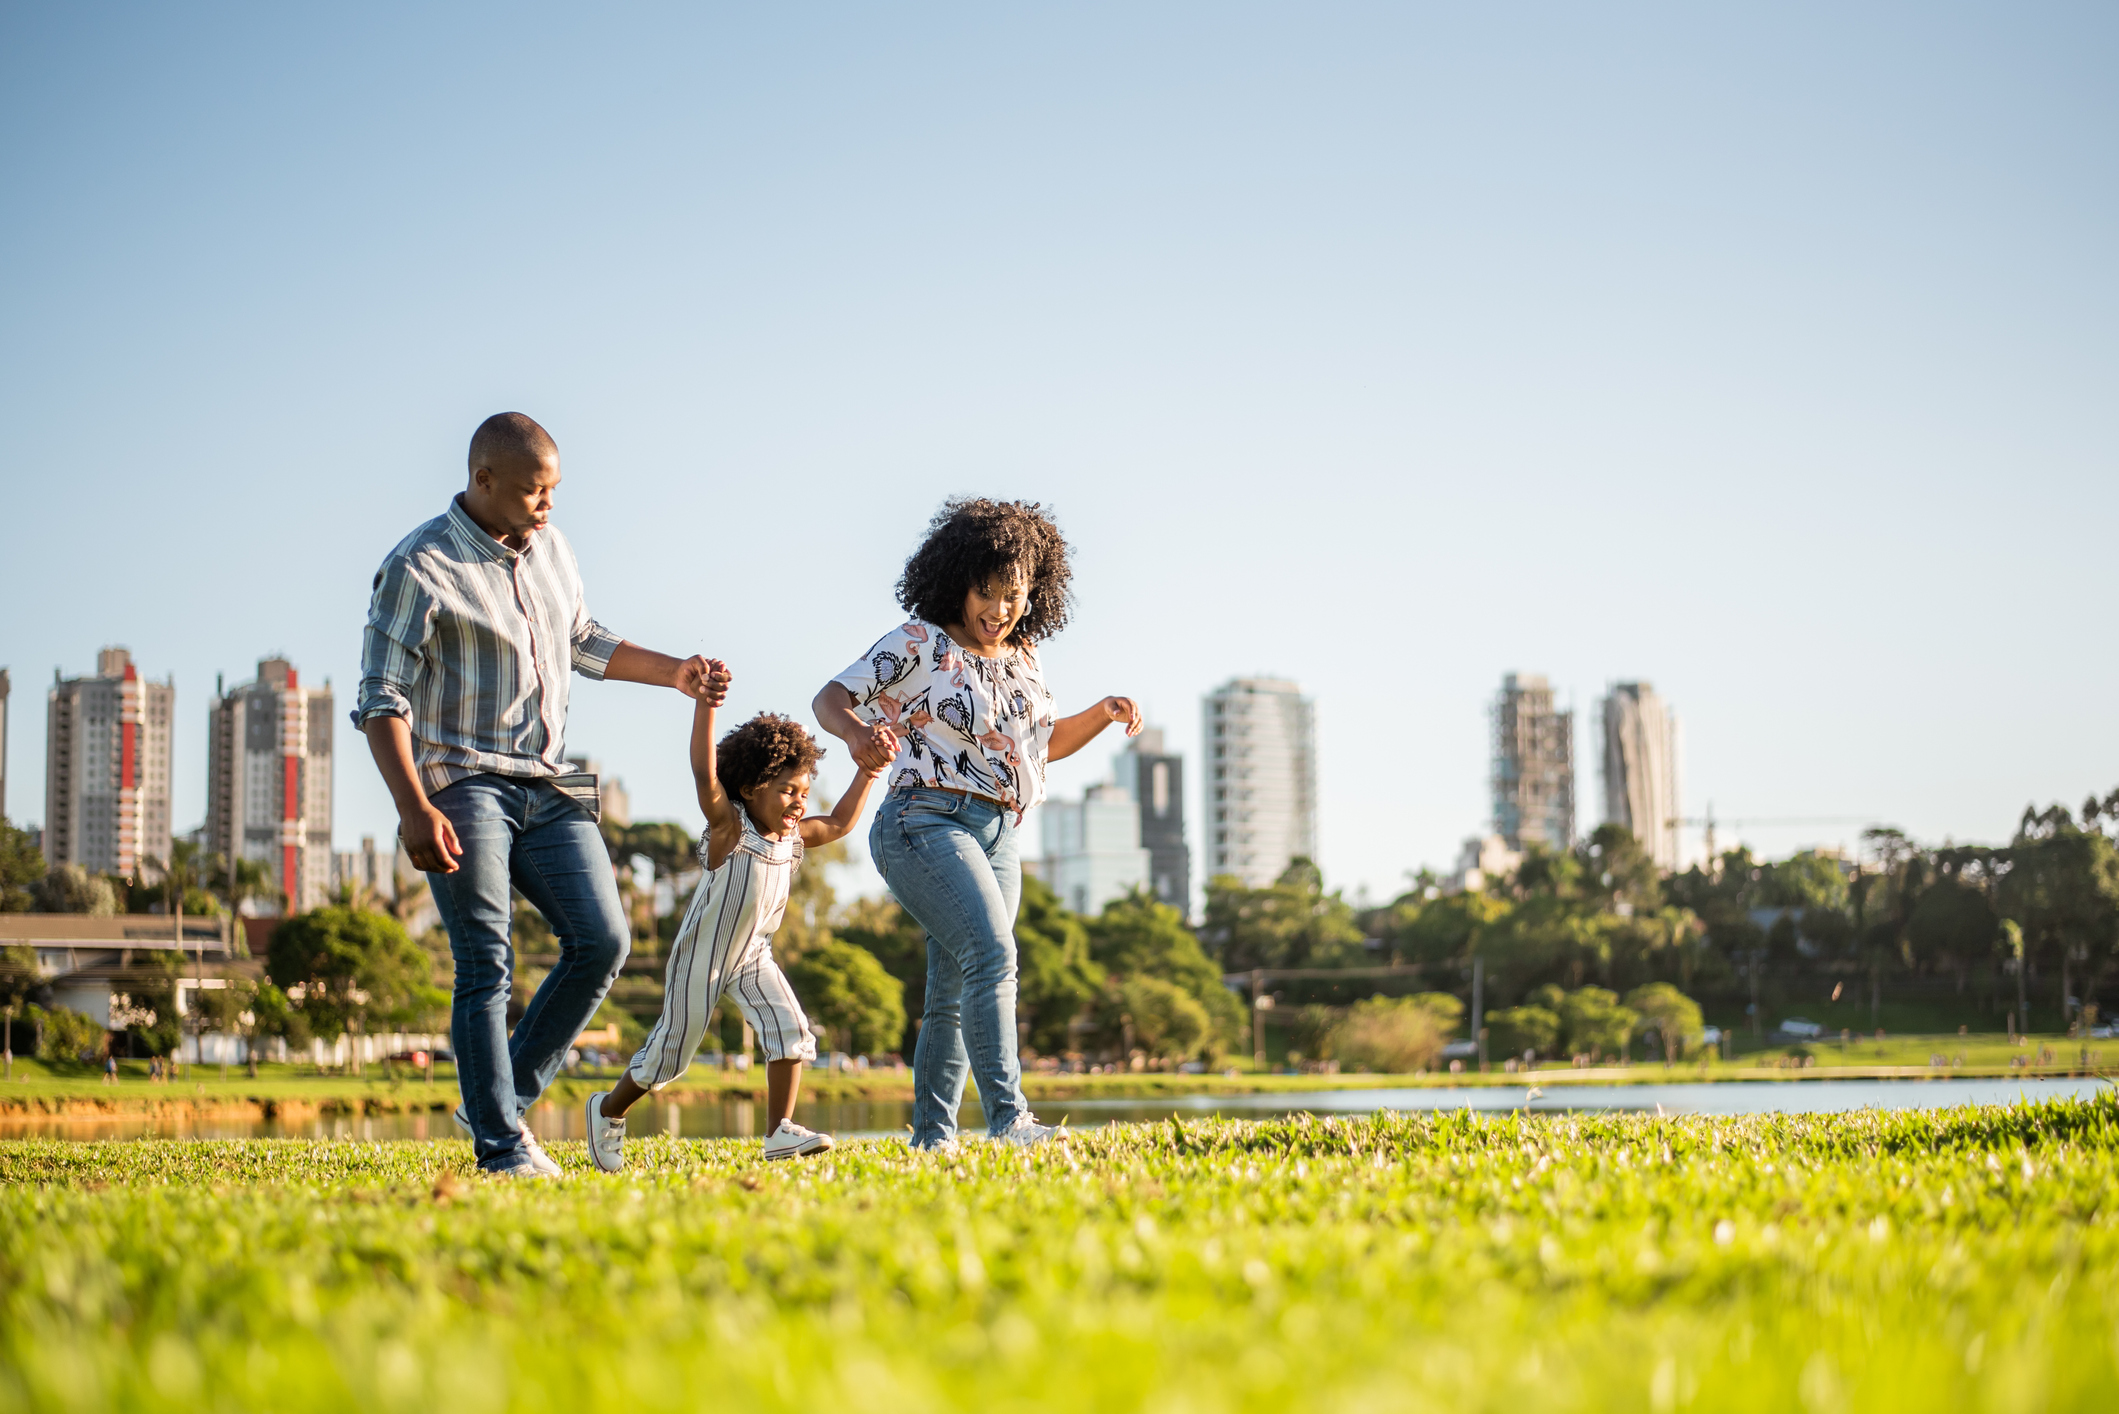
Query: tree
(1138, 936)
(1514, 1030)
(1591, 1020)
(1292, 922)
(1443, 930)
(897, 941)
(19, 976)
(1667, 1014)
(348, 969)
(1056, 978)
(2062, 887)
(21, 867)
(229, 1008)
(72, 889)
(846, 989)
(1159, 1017)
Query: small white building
(1093, 852)
(1484, 860)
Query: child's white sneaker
(606, 1136)
(791, 1141)
(1027, 1133)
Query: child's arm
(724, 827)
(823, 829)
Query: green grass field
(1933, 1260)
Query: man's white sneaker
(606, 1136)
(791, 1141)
(539, 1160)
(1027, 1133)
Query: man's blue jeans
(525, 834)
(952, 863)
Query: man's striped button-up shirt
(472, 644)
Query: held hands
(876, 751)
(1124, 709)
(705, 679)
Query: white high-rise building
(1534, 766)
(106, 770)
(1260, 779)
(268, 780)
(1093, 852)
(1641, 768)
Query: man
(476, 620)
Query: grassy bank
(289, 1091)
(1938, 1261)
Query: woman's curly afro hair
(972, 542)
(762, 748)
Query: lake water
(867, 1119)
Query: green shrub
(1392, 1035)
(67, 1037)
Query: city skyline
(1359, 346)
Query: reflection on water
(710, 1119)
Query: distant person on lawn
(476, 623)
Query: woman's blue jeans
(951, 862)
(524, 834)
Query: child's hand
(1125, 709)
(705, 679)
(713, 690)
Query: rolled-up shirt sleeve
(593, 645)
(400, 621)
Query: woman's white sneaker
(1027, 1133)
(791, 1141)
(606, 1136)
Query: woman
(959, 688)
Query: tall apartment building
(1261, 787)
(1534, 765)
(1641, 768)
(3, 743)
(268, 780)
(1156, 779)
(1093, 852)
(106, 769)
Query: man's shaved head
(508, 439)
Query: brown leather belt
(994, 801)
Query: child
(753, 789)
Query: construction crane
(1709, 822)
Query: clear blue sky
(1769, 353)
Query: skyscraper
(1641, 768)
(1261, 792)
(268, 780)
(3, 743)
(1092, 847)
(1534, 765)
(1156, 779)
(106, 769)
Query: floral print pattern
(963, 722)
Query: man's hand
(875, 753)
(1125, 709)
(702, 677)
(430, 840)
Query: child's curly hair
(973, 541)
(762, 748)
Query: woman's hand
(875, 753)
(1071, 734)
(1125, 709)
